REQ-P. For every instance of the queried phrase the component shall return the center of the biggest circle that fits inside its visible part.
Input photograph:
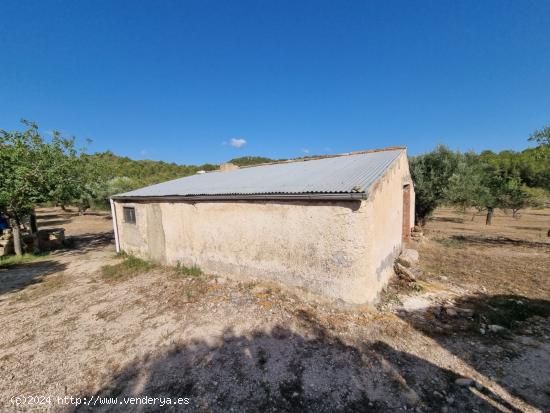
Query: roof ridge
(315, 158)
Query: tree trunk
(34, 232)
(489, 219)
(16, 230)
(34, 226)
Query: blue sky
(183, 80)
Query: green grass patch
(13, 260)
(455, 243)
(192, 271)
(129, 267)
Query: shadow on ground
(17, 277)
(53, 222)
(504, 337)
(448, 219)
(280, 370)
(55, 215)
(476, 240)
(84, 243)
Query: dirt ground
(472, 334)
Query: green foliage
(540, 197)
(530, 165)
(482, 185)
(121, 174)
(431, 173)
(250, 160)
(34, 170)
(542, 137)
(486, 181)
(193, 271)
(516, 196)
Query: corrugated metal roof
(346, 174)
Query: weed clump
(193, 271)
(129, 267)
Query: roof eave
(345, 196)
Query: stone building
(331, 225)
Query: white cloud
(237, 142)
(305, 150)
(143, 152)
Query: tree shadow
(53, 222)
(105, 214)
(502, 336)
(477, 240)
(529, 228)
(48, 216)
(448, 219)
(282, 370)
(83, 243)
(19, 276)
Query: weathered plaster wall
(316, 245)
(384, 226)
(338, 249)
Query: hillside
(250, 160)
(147, 172)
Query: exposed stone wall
(6, 243)
(48, 240)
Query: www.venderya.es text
(46, 400)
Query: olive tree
(482, 186)
(431, 173)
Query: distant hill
(250, 160)
(123, 174)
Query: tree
(516, 197)
(482, 186)
(542, 137)
(464, 187)
(431, 173)
(33, 171)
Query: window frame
(129, 215)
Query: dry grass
(129, 267)
(508, 257)
(48, 285)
